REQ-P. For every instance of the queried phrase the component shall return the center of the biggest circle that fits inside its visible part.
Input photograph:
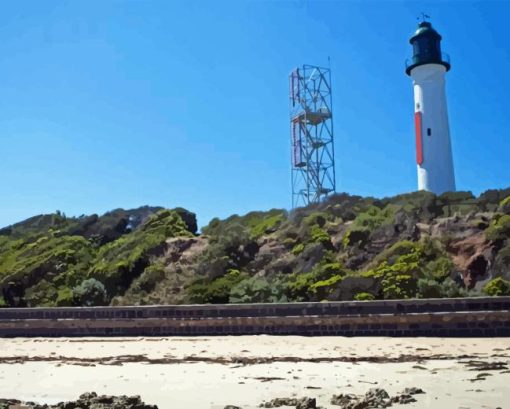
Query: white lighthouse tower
(433, 147)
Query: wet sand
(211, 372)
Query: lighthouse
(428, 68)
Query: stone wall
(489, 316)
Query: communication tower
(311, 128)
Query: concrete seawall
(469, 317)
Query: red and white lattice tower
(311, 127)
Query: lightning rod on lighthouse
(427, 68)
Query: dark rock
(88, 400)
(306, 403)
(14, 293)
(311, 255)
(374, 398)
(277, 402)
(352, 285)
(376, 394)
(356, 260)
(7, 403)
(342, 400)
(413, 390)
(406, 396)
(403, 399)
(88, 395)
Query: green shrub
(401, 267)
(298, 249)
(364, 297)
(358, 237)
(258, 290)
(440, 268)
(504, 205)
(396, 250)
(451, 289)
(65, 297)
(502, 261)
(399, 279)
(25, 259)
(374, 217)
(218, 291)
(225, 243)
(298, 286)
(398, 286)
(497, 287)
(327, 268)
(421, 203)
(151, 276)
(41, 294)
(124, 259)
(289, 242)
(456, 197)
(318, 235)
(323, 288)
(492, 197)
(499, 228)
(430, 288)
(255, 223)
(366, 222)
(267, 225)
(71, 277)
(90, 292)
(317, 283)
(316, 219)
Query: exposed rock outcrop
(472, 256)
(375, 398)
(298, 403)
(89, 400)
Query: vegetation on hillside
(345, 248)
(57, 261)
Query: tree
(90, 292)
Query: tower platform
(312, 118)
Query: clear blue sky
(107, 104)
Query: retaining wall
(488, 316)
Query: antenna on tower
(311, 127)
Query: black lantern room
(426, 44)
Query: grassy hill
(348, 247)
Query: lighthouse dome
(426, 44)
(425, 29)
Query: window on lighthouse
(416, 48)
(437, 46)
(425, 47)
(429, 132)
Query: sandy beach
(203, 372)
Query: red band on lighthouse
(419, 140)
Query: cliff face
(348, 247)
